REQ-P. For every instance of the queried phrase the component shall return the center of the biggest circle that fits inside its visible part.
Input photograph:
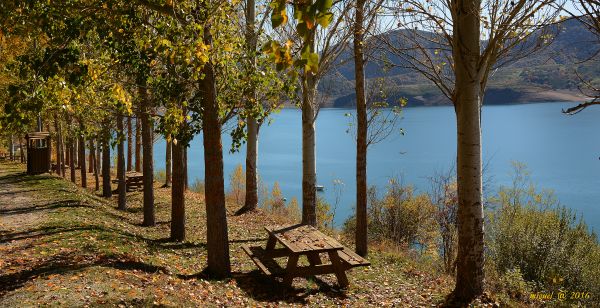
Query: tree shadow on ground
(44, 207)
(23, 177)
(264, 288)
(70, 262)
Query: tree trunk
(63, 154)
(82, 158)
(11, 149)
(129, 145)
(106, 188)
(309, 169)
(147, 160)
(59, 155)
(186, 182)
(67, 152)
(92, 161)
(122, 205)
(76, 152)
(22, 158)
(168, 162)
(90, 156)
(361, 133)
(97, 160)
(216, 219)
(71, 159)
(178, 195)
(138, 144)
(467, 104)
(251, 200)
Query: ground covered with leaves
(63, 245)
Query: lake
(561, 152)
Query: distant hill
(548, 75)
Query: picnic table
(133, 179)
(303, 240)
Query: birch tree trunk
(122, 205)
(361, 133)
(309, 171)
(216, 219)
(178, 195)
(148, 163)
(467, 102)
(251, 200)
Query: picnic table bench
(299, 240)
(133, 179)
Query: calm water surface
(561, 152)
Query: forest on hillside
(83, 80)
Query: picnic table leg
(271, 242)
(290, 270)
(314, 259)
(340, 273)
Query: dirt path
(16, 201)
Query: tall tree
(251, 200)
(178, 195)
(216, 215)
(148, 163)
(451, 55)
(361, 134)
(319, 47)
(106, 186)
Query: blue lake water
(561, 152)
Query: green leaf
(323, 5)
(324, 19)
(313, 63)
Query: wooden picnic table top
(133, 174)
(304, 239)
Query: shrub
(160, 175)
(529, 230)
(275, 204)
(324, 214)
(197, 186)
(444, 197)
(398, 216)
(237, 186)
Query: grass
(63, 245)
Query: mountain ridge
(548, 75)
